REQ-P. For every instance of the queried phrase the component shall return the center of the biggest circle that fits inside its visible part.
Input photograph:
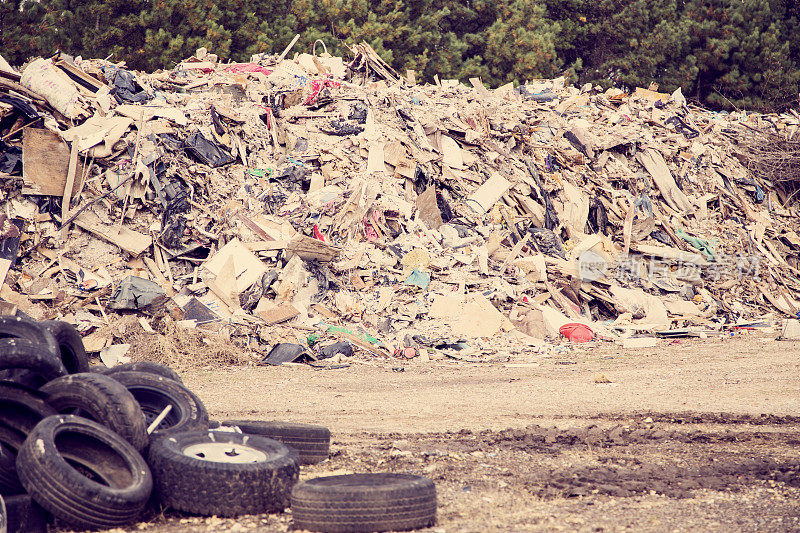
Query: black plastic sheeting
(547, 242)
(125, 86)
(285, 352)
(173, 220)
(134, 292)
(550, 215)
(206, 151)
(10, 159)
(10, 233)
(21, 106)
(598, 217)
(344, 348)
(341, 128)
(358, 112)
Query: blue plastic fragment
(418, 279)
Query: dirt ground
(696, 435)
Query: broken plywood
(45, 163)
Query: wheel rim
(225, 452)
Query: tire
(154, 393)
(3, 520)
(311, 442)
(22, 408)
(10, 443)
(83, 473)
(364, 502)
(186, 482)
(70, 345)
(145, 366)
(17, 353)
(25, 516)
(101, 399)
(12, 327)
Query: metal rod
(160, 418)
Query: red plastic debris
(317, 86)
(248, 67)
(318, 234)
(577, 332)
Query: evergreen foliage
(722, 53)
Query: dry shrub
(772, 157)
(177, 347)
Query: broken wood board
(279, 313)
(128, 240)
(479, 318)
(428, 208)
(652, 160)
(247, 267)
(65, 200)
(309, 248)
(451, 153)
(5, 265)
(667, 252)
(375, 158)
(482, 200)
(264, 246)
(45, 163)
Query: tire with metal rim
(154, 393)
(70, 345)
(3, 519)
(102, 399)
(311, 442)
(222, 473)
(144, 366)
(364, 502)
(84, 473)
(21, 408)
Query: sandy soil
(694, 435)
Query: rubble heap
(286, 202)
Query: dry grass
(177, 347)
(183, 349)
(773, 158)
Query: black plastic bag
(285, 352)
(206, 151)
(344, 348)
(10, 159)
(21, 106)
(125, 86)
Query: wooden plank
(73, 167)
(128, 240)
(5, 265)
(309, 248)
(90, 82)
(428, 208)
(653, 161)
(263, 246)
(514, 253)
(158, 275)
(279, 313)
(46, 163)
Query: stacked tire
(93, 447)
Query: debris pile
(306, 206)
